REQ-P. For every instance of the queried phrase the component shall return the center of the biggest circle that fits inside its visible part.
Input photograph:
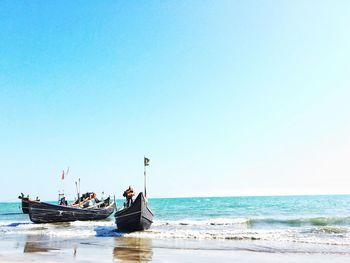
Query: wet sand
(130, 249)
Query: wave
(298, 222)
(239, 222)
(203, 222)
(329, 230)
(273, 236)
(258, 222)
(196, 234)
(313, 230)
(77, 229)
(92, 223)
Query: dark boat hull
(25, 205)
(40, 212)
(137, 217)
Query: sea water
(298, 224)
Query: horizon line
(216, 196)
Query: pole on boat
(79, 192)
(76, 186)
(61, 192)
(145, 163)
(144, 179)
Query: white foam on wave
(92, 223)
(53, 233)
(211, 221)
(210, 229)
(74, 229)
(214, 234)
(276, 235)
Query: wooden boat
(41, 212)
(25, 203)
(136, 217)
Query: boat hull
(137, 217)
(40, 212)
(25, 205)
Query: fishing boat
(138, 216)
(25, 203)
(41, 212)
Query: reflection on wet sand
(33, 245)
(133, 249)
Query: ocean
(270, 224)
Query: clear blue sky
(224, 97)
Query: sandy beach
(129, 249)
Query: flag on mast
(146, 161)
(62, 176)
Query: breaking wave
(256, 222)
(321, 230)
(208, 222)
(298, 222)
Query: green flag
(146, 161)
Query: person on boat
(128, 194)
(63, 201)
(93, 196)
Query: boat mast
(144, 174)
(76, 186)
(61, 192)
(79, 192)
(145, 163)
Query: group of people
(128, 194)
(84, 198)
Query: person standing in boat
(128, 194)
(63, 201)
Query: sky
(225, 98)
